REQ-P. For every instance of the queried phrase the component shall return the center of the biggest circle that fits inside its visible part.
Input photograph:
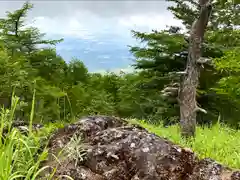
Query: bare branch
(186, 39)
(167, 94)
(180, 73)
(170, 89)
(175, 85)
(179, 101)
(200, 24)
(203, 60)
(200, 110)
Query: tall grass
(32, 109)
(19, 157)
(218, 142)
(19, 153)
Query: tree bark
(189, 81)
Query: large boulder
(112, 149)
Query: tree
(76, 72)
(27, 61)
(189, 82)
(48, 65)
(165, 52)
(222, 35)
(65, 90)
(17, 37)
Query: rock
(116, 150)
(23, 126)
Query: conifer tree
(166, 53)
(17, 37)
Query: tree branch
(179, 73)
(202, 21)
(170, 89)
(186, 39)
(198, 109)
(167, 94)
(203, 60)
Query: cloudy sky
(97, 32)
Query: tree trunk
(189, 81)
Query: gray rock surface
(115, 150)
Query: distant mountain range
(98, 54)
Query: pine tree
(165, 53)
(28, 61)
(17, 37)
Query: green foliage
(228, 86)
(24, 62)
(17, 37)
(230, 62)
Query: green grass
(19, 154)
(218, 142)
(19, 157)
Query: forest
(44, 88)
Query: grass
(19, 154)
(19, 157)
(218, 142)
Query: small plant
(75, 150)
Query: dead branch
(198, 109)
(203, 60)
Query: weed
(75, 150)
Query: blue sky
(97, 32)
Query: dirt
(114, 149)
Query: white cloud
(147, 22)
(86, 26)
(92, 19)
(63, 26)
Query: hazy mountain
(97, 55)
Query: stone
(120, 151)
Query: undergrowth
(21, 155)
(218, 142)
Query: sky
(96, 32)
